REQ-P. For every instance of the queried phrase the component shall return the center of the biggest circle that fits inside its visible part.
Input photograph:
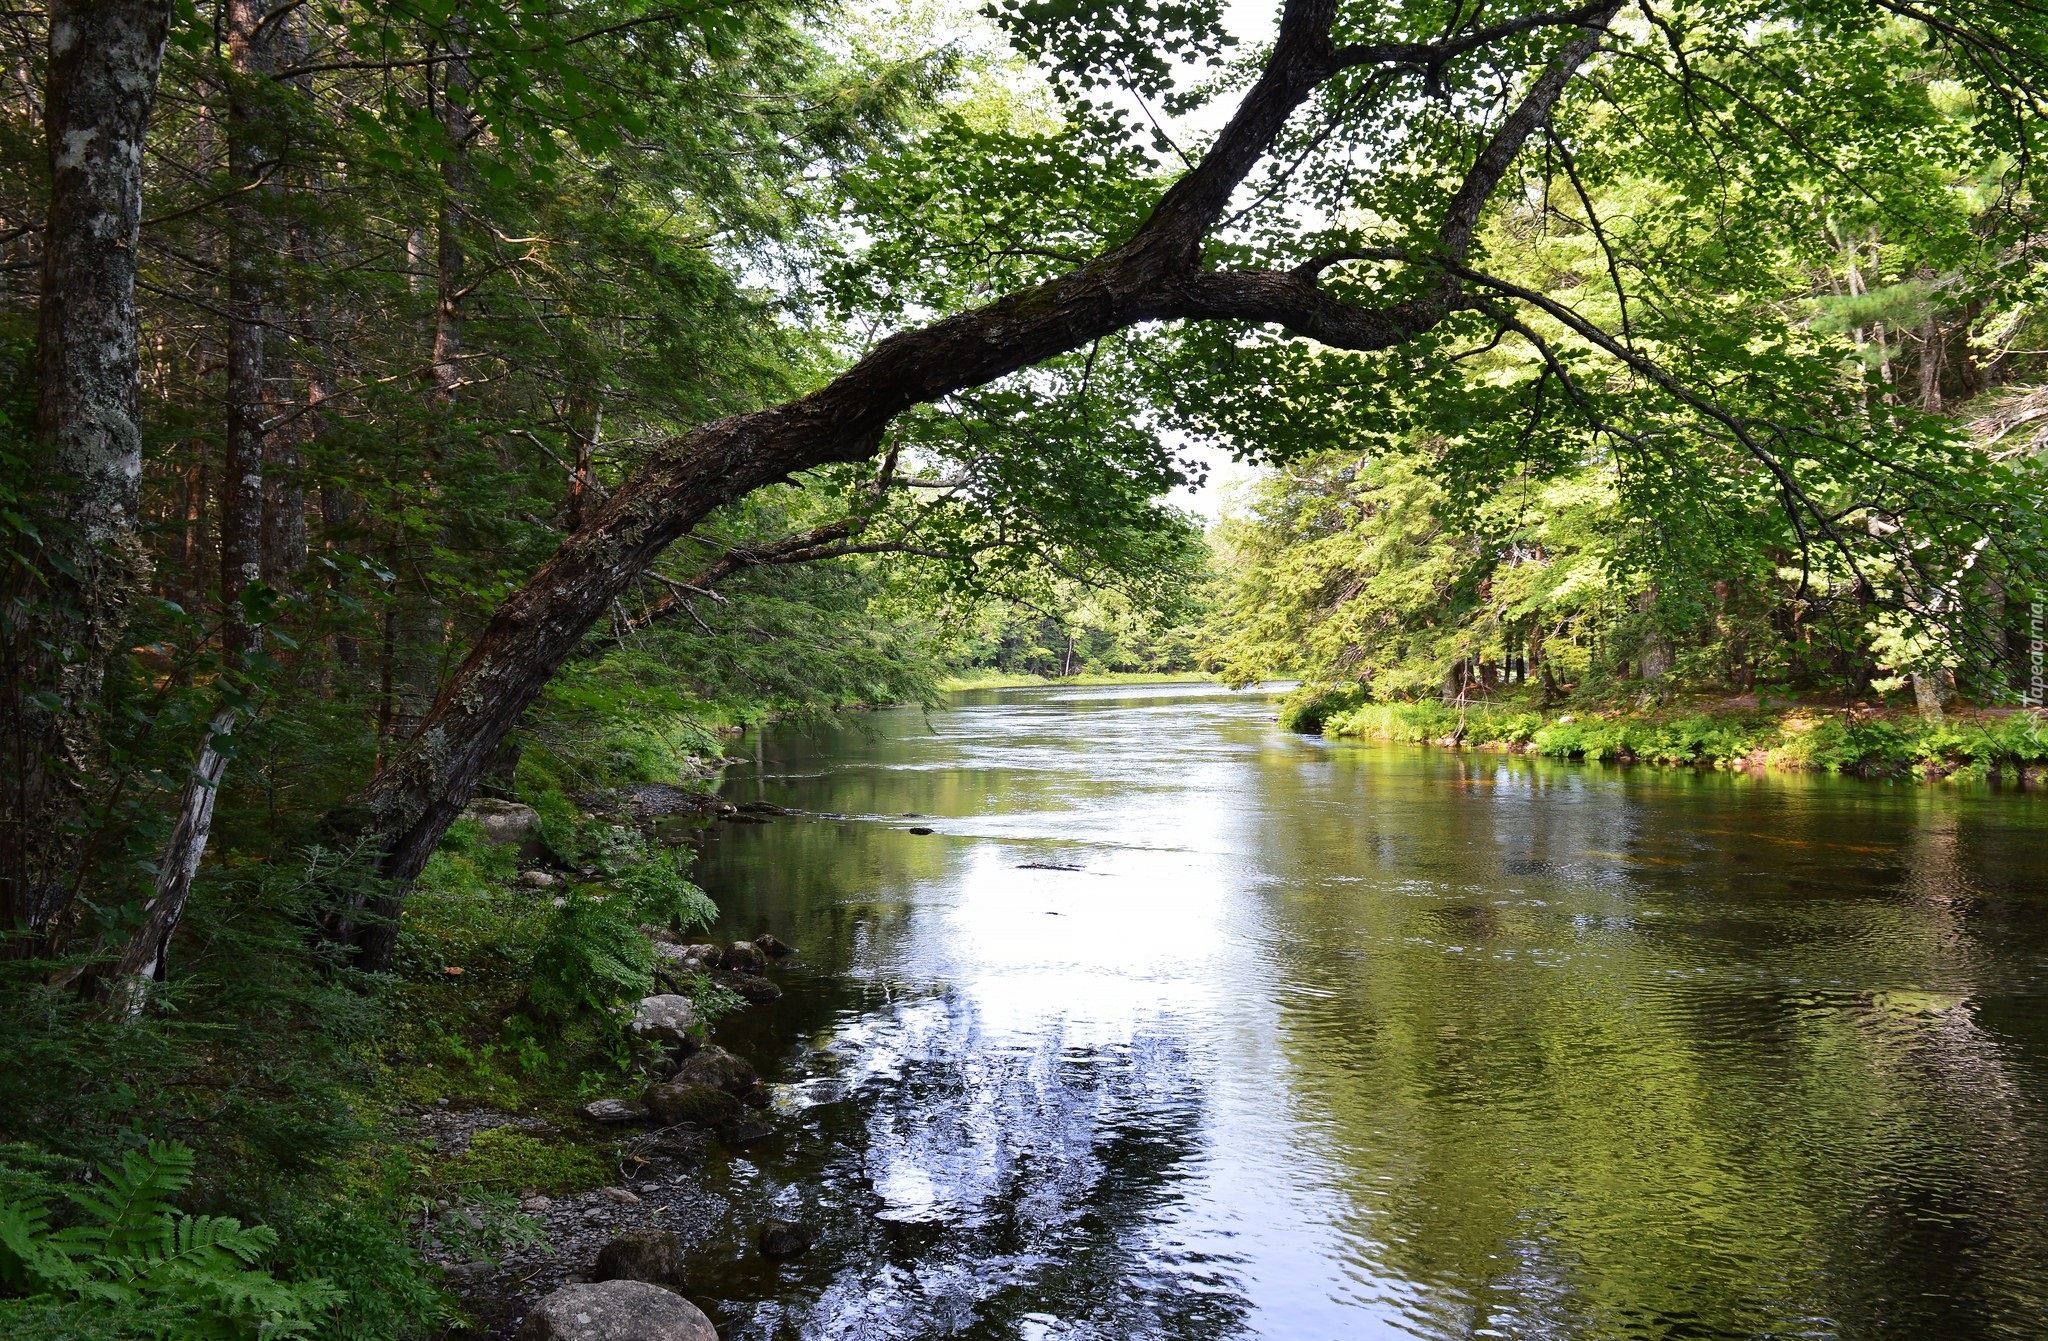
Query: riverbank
(1007, 680)
(1734, 733)
(551, 1082)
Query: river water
(1180, 1026)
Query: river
(1179, 1026)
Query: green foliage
(1836, 742)
(1309, 708)
(132, 1253)
(591, 957)
(659, 891)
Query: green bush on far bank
(1793, 737)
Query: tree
(73, 578)
(1434, 93)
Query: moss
(510, 1158)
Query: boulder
(698, 1105)
(616, 1310)
(651, 1255)
(744, 957)
(615, 1111)
(773, 948)
(505, 823)
(786, 1238)
(756, 990)
(665, 1019)
(719, 1069)
(537, 879)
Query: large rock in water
(698, 1105)
(664, 1019)
(744, 957)
(719, 1069)
(616, 1310)
(651, 1255)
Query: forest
(411, 403)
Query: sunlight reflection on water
(1324, 1040)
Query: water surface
(1180, 1026)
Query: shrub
(1310, 707)
(590, 958)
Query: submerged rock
(697, 1104)
(744, 957)
(743, 1129)
(615, 1111)
(751, 988)
(919, 829)
(719, 1069)
(773, 948)
(786, 1238)
(651, 1255)
(616, 1310)
(664, 1019)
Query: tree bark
(68, 602)
(1154, 276)
(459, 126)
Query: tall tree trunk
(459, 125)
(68, 602)
(253, 256)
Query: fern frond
(130, 1212)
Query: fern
(133, 1253)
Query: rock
(774, 949)
(505, 823)
(719, 1069)
(660, 935)
(614, 1111)
(744, 957)
(535, 1203)
(919, 829)
(663, 1019)
(616, 1310)
(468, 1276)
(537, 879)
(699, 1105)
(756, 990)
(651, 1255)
(743, 1130)
(619, 1195)
(786, 1238)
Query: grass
(1866, 742)
(994, 679)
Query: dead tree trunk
(67, 601)
(253, 255)
(1156, 275)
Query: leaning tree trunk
(253, 255)
(68, 598)
(1156, 275)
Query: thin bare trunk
(252, 262)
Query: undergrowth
(1799, 737)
